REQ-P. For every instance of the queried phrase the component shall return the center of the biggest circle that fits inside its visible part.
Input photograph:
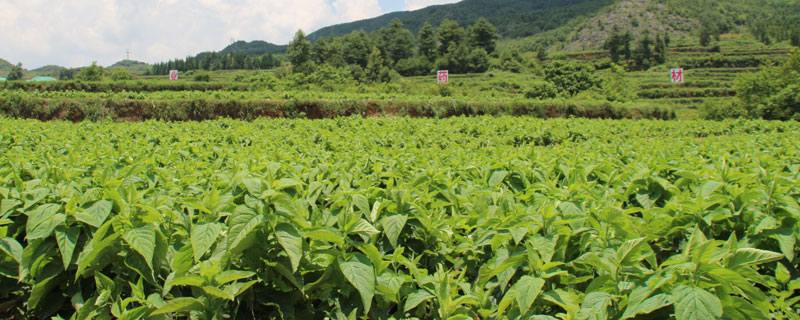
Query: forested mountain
(253, 48)
(586, 24)
(513, 18)
(48, 70)
(5, 66)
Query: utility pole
(127, 54)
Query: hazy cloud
(77, 32)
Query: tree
(644, 52)
(376, 71)
(450, 35)
(618, 86)
(512, 61)
(91, 73)
(795, 39)
(356, 47)
(478, 60)
(460, 59)
(483, 34)
(396, 42)
(427, 41)
(120, 74)
(328, 51)
(541, 53)
(16, 73)
(705, 37)
(414, 66)
(571, 78)
(299, 52)
(660, 50)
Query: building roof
(42, 78)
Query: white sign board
(173, 75)
(677, 75)
(443, 76)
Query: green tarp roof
(41, 78)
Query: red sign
(173, 75)
(443, 77)
(677, 75)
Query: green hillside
(134, 67)
(253, 48)
(48, 71)
(5, 66)
(574, 25)
(513, 18)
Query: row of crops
(397, 218)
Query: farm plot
(394, 218)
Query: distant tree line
(644, 53)
(394, 48)
(218, 61)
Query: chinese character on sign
(443, 77)
(173, 75)
(677, 75)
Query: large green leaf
(100, 243)
(67, 238)
(595, 306)
(360, 274)
(646, 306)
(143, 241)
(291, 241)
(393, 226)
(526, 290)
(693, 303)
(243, 226)
(43, 220)
(415, 298)
(179, 305)
(96, 214)
(751, 257)
(203, 238)
(12, 248)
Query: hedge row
(121, 86)
(21, 106)
(720, 61)
(686, 93)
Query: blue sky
(77, 32)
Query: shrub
(91, 73)
(772, 93)
(414, 66)
(542, 90)
(571, 78)
(120, 74)
(201, 77)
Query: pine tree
(483, 34)
(427, 41)
(660, 50)
(644, 52)
(450, 35)
(375, 70)
(299, 52)
(396, 42)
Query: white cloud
(419, 4)
(77, 32)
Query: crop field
(400, 218)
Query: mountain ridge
(513, 18)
